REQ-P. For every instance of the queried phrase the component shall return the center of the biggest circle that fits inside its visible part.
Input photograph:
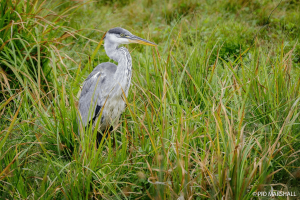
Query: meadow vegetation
(212, 113)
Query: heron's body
(105, 86)
(104, 89)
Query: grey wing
(95, 91)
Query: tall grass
(198, 125)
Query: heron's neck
(124, 62)
(123, 73)
(111, 50)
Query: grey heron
(103, 91)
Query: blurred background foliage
(233, 24)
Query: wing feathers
(95, 90)
(97, 112)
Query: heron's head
(119, 36)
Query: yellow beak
(136, 39)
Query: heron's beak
(136, 39)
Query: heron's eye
(122, 34)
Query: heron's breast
(113, 108)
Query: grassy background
(208, 117)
